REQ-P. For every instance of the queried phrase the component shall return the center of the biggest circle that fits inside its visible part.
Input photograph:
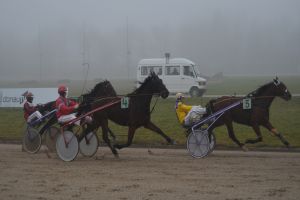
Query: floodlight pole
(127, 49)
(40, 53)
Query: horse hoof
(48, 155)
(100, 157)
(116, 146)
(173, 142)
(116, 154)
(245, 148)
(150, 152)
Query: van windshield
(196, 70)
(188, 71)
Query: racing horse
(135, 116)
(255, 117)
(102, 91)
(106, 90)
(49, 119)
(43, 109)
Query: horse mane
(260, 90)
(151, 76)
(98, 86)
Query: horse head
(47, 107)
(101, 89)
(281, 90)
(154, 85)
(274, 88)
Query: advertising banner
(14, 97)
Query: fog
(65, 39)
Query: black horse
(44, 109)
(102, 92)
(262, 99)
(106, 90)
(135, 116)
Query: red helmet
(62, 88)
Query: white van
(178, 74)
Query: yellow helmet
(179, 96)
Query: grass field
(284, 115)
(244, 85)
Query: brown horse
(135, 116)
(255, 117)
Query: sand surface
(165, 174)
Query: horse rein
(245, 97)
(154, 104)
(99, 99)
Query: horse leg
(258, 134)
(111, 134)
(233, 137)
(210, 132)
(154, 128)
(49, 123)
(276, 133)
(104, 126)
(85, 130)
(131, 131)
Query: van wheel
(194, 92)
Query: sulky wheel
(67, 146)
(32, 140)
(89, 145)
(198, 144)
(50, 138)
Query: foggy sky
(51, 39)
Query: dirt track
(165, 174)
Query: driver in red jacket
(30, 110)
(65, 107)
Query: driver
(30, 110)
(65, 107)
(187, 115)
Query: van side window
(145, 70)
(159, 71)
(188, 71)
(172, 70)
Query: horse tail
(220, 103)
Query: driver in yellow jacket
(187, 115)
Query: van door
(188, 78)
(172, 78)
